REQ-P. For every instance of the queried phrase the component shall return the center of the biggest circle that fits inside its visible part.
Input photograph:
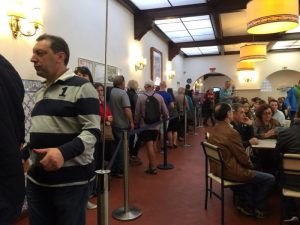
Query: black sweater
(11, 132)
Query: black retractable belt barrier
(165, 165)
(185, 130)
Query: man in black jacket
(289, 142)
(12, 187)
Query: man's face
(274, 106)
(44, 60)
(239, 115)
(227, 84)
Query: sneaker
(91, 205)
(245, 210)
(174, 146)
(258, 214)
(151, 171)
(292, 219)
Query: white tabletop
(266, 143)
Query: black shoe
(245, 210)
(151, 171)
(258, 214)
(292, 219)
(117, 174)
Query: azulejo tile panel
(30, 86)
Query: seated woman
(265, 126)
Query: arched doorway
(210, 80)
(277, 83)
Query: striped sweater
(65, 116)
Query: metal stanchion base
(132, 214)
(166, 166)
(187, 145)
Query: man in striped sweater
(65, 128)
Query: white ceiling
(154, 4)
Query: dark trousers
(57, 205)
(12, 192)
(8, 210)
(256, 191)
(134, 148)
(118, 165)
(289, 206)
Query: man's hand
(248, 121)
(53, 159)
(132, 125)
(253, 141)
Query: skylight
(154, 4)
(210, 50)
(196, 28)
(286, 45)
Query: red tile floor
(175, 196)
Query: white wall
(82, 25)
(197, 67)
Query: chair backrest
(212, 152)
(291, 164)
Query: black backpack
(152, 110)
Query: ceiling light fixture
(272, 16)
(245, 66)
(253, 53)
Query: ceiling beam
(241, 39)
(196, 9)
(217, 27)
(142, 24)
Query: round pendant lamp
(253, 53)
(245, 66)
(272, 16)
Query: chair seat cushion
(290, 193)
(227, 183)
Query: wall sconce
(140, 64)
(246, 77)
(31, 20)
(171, 74)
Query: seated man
(289, 142)
(242, 124)
(238, 166)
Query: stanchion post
(102, 178)
(200, 115)
(195, 121)
(165, 165)
(185, 129)
(127, 212)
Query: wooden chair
(290, 166)
(213, 153)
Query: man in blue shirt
(226, 94)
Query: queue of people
(66, 144)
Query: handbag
(108, 134)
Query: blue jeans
(57, 206)
(289, 206)
(256, 191)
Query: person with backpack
(150, 108)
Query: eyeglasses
(267, 113)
